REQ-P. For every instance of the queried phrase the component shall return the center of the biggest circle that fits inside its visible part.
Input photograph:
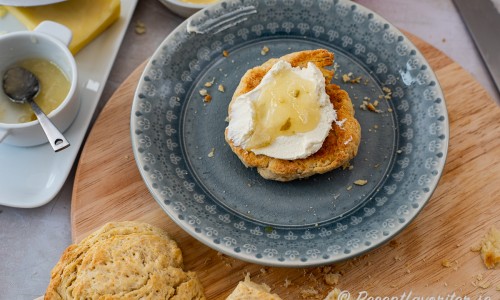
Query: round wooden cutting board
(431, 257)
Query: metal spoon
(21, 86)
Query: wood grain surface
(466, 203)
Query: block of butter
(86, 18)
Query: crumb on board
(287, 283)
(332, 278)
(446, 263)
(336, 293)
(490, 248)
(140, 27)
(476, 248)
(308, 292)
(207, 261)
(225, 259)
(479, 281)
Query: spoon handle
(56, 139)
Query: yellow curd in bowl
(54, 87)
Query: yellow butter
(86, 18)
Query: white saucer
(32, 176)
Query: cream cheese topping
(299, 145)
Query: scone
(123, 260)
(248, 290)
(341, 143)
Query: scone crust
(123, 260)
(341, 144)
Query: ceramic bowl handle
(55, 30)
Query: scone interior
(124, 260)
(341, 143)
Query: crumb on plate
(360, 182)
(264, 50)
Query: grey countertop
(31, 240)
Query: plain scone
(123, 260)
(341, 144)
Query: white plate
(32, 176)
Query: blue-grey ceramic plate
(179, 145)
